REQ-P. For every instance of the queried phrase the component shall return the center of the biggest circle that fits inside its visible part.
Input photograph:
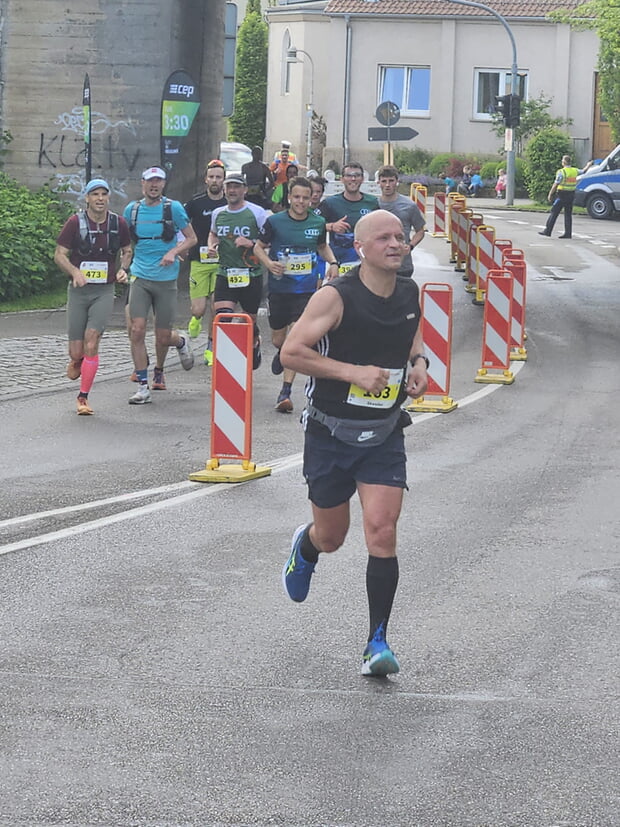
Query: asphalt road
(153, 673)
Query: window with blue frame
(407, 86)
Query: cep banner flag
(88, 158)
(179, 104)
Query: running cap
(153, 172)
(234, 178)
(95, 183)
(286, 144)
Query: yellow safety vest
(569, 178)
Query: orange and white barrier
(418, 194)
(231, 402)
(455, 201)
(436, 305)
(473, 220)
(482, 262)
(514, 263)
(439, 209)
(496, 334)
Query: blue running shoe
(297, 572)
(378, 659)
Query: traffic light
(514, 111)
(509, 107)
(502, 106)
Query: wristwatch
(417, 356)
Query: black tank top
(373, 331)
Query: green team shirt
(294, 242)
(228, 225)
(335, 207)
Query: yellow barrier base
(519, 354)
(437, 405)
(438, 235)
(214, 472)
(506, 377)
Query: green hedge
(30, 223)
(544, 157)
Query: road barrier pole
(436, 321)
(231, 402)
(496, 330)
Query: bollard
(496, 330)
(514, 263)
(439, 201)
(418, 193)
(231, 402)
(455, 201)
(436, 321)
(482, 263)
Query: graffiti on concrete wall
(114, 150)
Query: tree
(603, 17)
(534, 117)
(247, 123)
(544, 154)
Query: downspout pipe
(347, 89)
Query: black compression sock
(381, 583)
(307, 549)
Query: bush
(440, 163)
(489, 170)
(30, 223)
(412, 161)
(543, 159)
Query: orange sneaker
(74, 369)
(158, 383)
(83, 408)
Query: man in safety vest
(561, 197)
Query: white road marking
(278, 466)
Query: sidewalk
(39, 338)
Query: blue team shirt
(149, 251)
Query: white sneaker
(141, 396)
(186, 355)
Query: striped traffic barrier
(483, 262)
(473, 220)
(231, 402)
(514, 263)
(439, 209)
(454, 201)
(496, 330)
(436, 323)
(418, 193)
(464, 218)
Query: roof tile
(441, 8)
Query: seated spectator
(500, 186)
(465, 182)
(476, 184)
(449, 182)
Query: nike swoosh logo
(365, 435)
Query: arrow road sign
(396, 133)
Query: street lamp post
(291, 57)
(510, 152)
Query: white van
(598, 189)
(234, 155)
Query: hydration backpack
(168, 231)
(86, 245)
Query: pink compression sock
(89, 369)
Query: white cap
(153, 172)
